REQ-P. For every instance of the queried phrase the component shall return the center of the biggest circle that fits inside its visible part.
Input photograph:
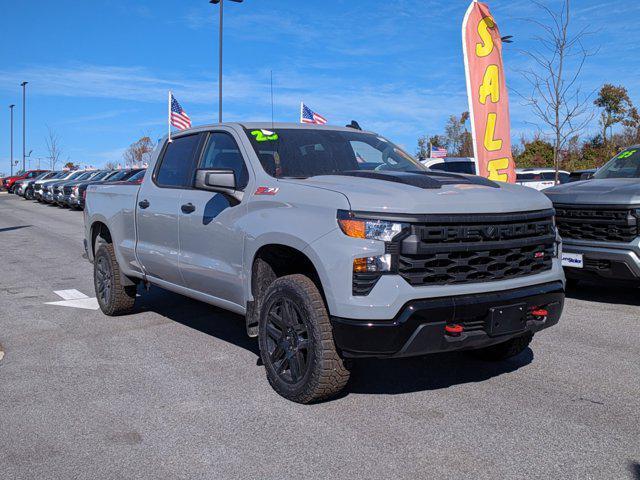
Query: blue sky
(99, 70)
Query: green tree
(616, 108)
(536, 153)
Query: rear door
(158, 209)
(211, 240)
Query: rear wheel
(296, 342)
(505, 350)
(113, 297)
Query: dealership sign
(487, 91)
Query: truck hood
(606, 191)
(471, 195)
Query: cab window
(222, 152)
(176, 164)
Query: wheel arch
(283, 258)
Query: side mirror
(218, 180)
(586, 176)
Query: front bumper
(603, 262)
(73, 201)
(419, 327)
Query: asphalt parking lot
(175, 390)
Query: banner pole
(301, 107)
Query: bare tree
(556, 97)
(138, 152)
(52, 142)
(111, 165)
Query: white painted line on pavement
(75, 299)
(72, 294)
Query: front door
(158, 210)
(211, 240)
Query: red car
(9, 182)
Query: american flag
(309, 116)
(179, 117)
(438, 152)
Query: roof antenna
(355, 125)
(272, 99)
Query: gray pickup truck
(334, 244)
(599, 222)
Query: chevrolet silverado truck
(599, 222)
(334, 244)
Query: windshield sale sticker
(264, 135)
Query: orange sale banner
(488, 97)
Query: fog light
(381, 263)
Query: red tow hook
(453, 330)
(540, 312)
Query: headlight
(370, 229)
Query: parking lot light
(24, 124)
(221, 2)
(11, 140)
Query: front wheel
(113, 297)
(504, 350)
(296, 342)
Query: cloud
(344, 98)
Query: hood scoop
(424, 180)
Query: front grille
(603, 224)
(445, 250)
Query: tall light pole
(221, 2)
(24, 124)
(11, 141)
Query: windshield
(137, 176)
(99, 175)
(73, 175)
(625, 165)
(455, 167)
(303, 153)
(83, 176)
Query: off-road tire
(325, 375)
(119, 299)
(505, 350)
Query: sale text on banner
(487, 91)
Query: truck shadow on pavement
(432, 372)
(371, 376)
(605, 293)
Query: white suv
(540, 178)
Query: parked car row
(67, 188)
(536, 178)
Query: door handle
(188, 208)
(144, 204)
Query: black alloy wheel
(296, 341)
(103, 279)
(287, 341)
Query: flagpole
(169, 115)
(301, 108)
